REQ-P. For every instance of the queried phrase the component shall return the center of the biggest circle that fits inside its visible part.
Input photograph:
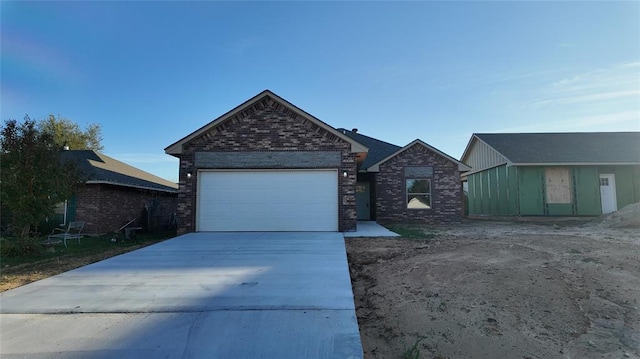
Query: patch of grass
(412, 352)
(412, 231)
(18, 267)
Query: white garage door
(268, 200)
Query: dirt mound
(627, 217)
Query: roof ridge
(373, 138)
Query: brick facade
(266, 126)
(105, 208)
(446, 189)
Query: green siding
(513, 190)
(587, 191)
(560, 209)
(484, 188)
(503, 191)
(531, 188)
(520, 191)
(494, 203)
(636, 183)
(492, 192)
(625, 188)
(470, 193)
(477, 203)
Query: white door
(304, 200)
(608, 193)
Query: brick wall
(446, 189)
(267, 125)
(105, 208)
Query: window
(418, 193)
(558, 184)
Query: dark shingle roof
(378, 150)
(584, 147)
(100, 168)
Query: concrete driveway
(200, 295)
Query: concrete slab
(201, 295)
(370, 229)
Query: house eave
(132, 186)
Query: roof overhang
(167, 190)
(376, 166)
(176, 148)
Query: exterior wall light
(345, 174)
(189, 175)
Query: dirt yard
(500, 290)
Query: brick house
(267, 165)
(414, 183)
(115, 193)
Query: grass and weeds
(412, 352)
(413, 231)
(23, 261)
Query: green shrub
(17, 247)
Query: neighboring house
(552, 174)
(114, 193)
(267, 165)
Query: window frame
(428, 194)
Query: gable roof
(176, 148)
(563, 148)
(376, 166)
(378, 150)
(102, 169)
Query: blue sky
(150, 73)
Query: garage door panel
(268, 201)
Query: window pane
(418, 186)
(419, 201)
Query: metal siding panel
(560, 209)
(512, 174)
(477, 204)
(470, 195)
(636, 184)
(493, 190)
(531, 185)
(624, 186)
(587, 191)
(486, 197)
(503, 190)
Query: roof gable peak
(261, 100)
(418, 142)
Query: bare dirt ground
(510, 289)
